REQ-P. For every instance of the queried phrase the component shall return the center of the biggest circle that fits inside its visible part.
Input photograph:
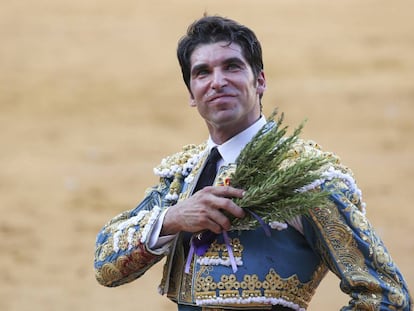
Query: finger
(226, 191)
(225, 204)
(220, 198)
(208, 219)
(217, 227)
(220, 219)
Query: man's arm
(129, 244)
(352, 250)
(122, 253)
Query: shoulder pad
(180, 162)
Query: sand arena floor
(91, 99)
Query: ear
(192, 102)
(261, 83)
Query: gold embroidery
(126, 267)
(397, 297)
(105, 249)
(382, 260)
(273, 286)
(136, 237)
(344, 247)
(176, 183)
(217, 250)
(229, 293)
(108, 273)
(340, 239)
(123, 240)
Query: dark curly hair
(212, 29)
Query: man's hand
(204, 211)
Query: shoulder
(333, 169)
(335, 176)
(180, 162)
(309, 148)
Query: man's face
(224, 90)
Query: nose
(218, 79)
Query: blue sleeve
(121, 252)
(349, 246)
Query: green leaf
(272, 186)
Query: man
(222, 67)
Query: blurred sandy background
(91, 99)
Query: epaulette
(333, 171)
(308, 148)
(181, 162)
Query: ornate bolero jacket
(283, 269)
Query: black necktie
(209, 172)
(207, 176)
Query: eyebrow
(197, 68)
(227, 61)
(234, 60)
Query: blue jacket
(282, 269)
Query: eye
(233, 66)
(202, 72)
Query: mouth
(219, 97)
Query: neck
(220, 135)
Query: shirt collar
(231, 149)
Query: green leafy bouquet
(273, 181)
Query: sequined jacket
(285, 268)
